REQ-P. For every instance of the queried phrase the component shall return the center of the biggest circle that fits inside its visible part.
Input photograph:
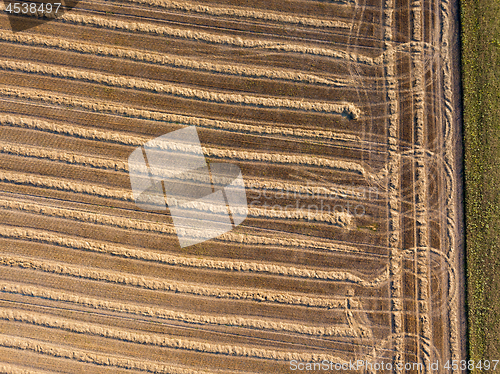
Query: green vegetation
(481, 85)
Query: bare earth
(341, 116)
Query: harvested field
(341, 116)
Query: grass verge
(481, 100)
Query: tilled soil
(341, 116)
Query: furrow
(211, 38)
(394, 186)
(117, 165)
(347, 109)
(299, 190)
(89, 357)
(454, 246)
(243, 13)
(149, 283)
(173, 315)
(118, 194)
(280, 158)
(136, 140)
(70, 158)
(13, 369)
(339, 219)
(423, 288)
(184, 261)
(172, 60)
(154, 339)
(101, 106)
(121, 138)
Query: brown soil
(341, 116)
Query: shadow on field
(24, 15)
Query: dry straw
(136, 140)
(211, 38)
(393, 180)
(102, 106)
(13, 369)
(88, 357)
(162, 258)
(150, 339)
(182, 62)
(340, 219)
(226, 265)
(239, 12)
(185, 317)
(267, 157)
(231, 237)
(347, 109)
(149, 283)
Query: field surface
(341, 115)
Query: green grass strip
(481, 94)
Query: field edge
(480, 45)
